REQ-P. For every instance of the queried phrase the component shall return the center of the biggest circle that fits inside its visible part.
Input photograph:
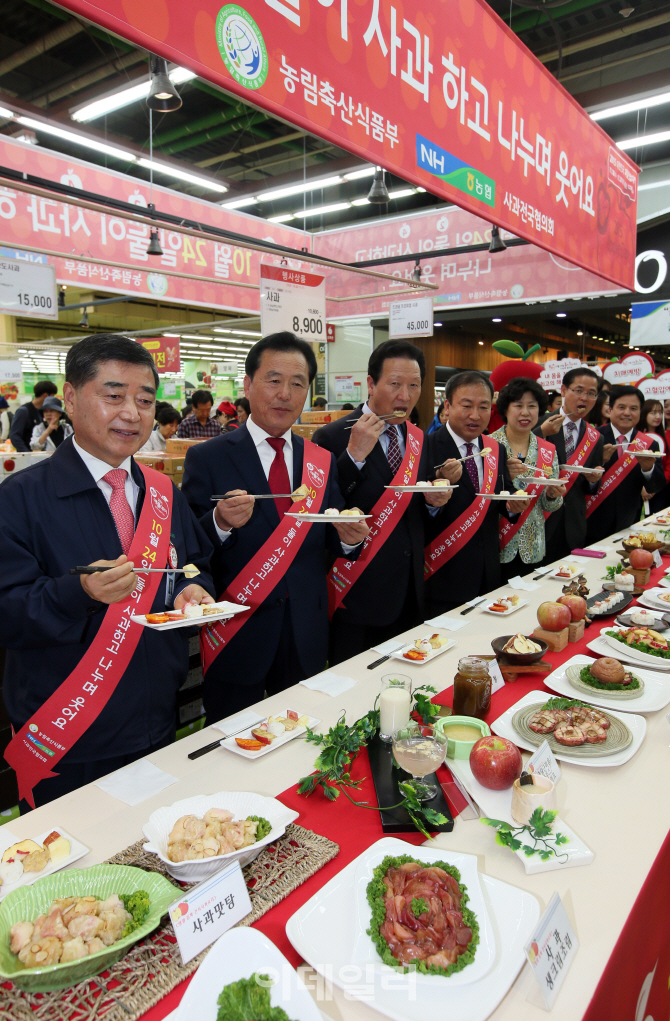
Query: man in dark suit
(387, 598)
(285, 638)
(569, 431)
(29, 415)
(622, 506)
(475, 567)
(80, 506)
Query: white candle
(394, 706)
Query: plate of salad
(642, 644)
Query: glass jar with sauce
(472, 688)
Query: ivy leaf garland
(341, 745)
(539, 830)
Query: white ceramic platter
(516, 494)
(653, 662)
(655, 599)
(226, 611)
(238, 954)
(398, 654)
(655, 696)
(325, 519)
(573, 573)
(485, 607)
(232, 746)
(241, 803)
(636, 724)
(77, 851)
(421, 489)
(513, 913)
(580, 469)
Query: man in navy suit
(285, 638)
(65, 512)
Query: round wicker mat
(573, 675)
(618, 736)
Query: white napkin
(601, 549)
(475, 601)
(386, 648)
(136, 782)
(521, 583)
(578, 560)
(448, 623)
(329, 684)
(235, 724)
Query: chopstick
(474, 605)
(92, 569)
(378, 662)
(205, 748)
(256, 496)
(382, 418)
(477, 453)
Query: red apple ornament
(553, 616)
(495, 762)
(576, 605)
(640, 559)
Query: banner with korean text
(165, 353)
(442, 93)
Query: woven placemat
(152, 968)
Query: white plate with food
(637, 725)
(271, 733)
(540, 481)
(423, 487)
(209, 613)
(511, 604)
(516, 494)
(637, 637)
(229, 969)
(325, 518)
(655, 695)
(45, 854)
(513, 914)
(646, 453)
(660, 519)
(565, 572)
(580, 469)
(655, 599)
(197, 836)
(424, 649)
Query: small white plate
(421, 489)
(653, 662)
(227, 611)
(325, 519)
(498, 613)
(636, 724)
(655, 696)
(660, 519)
(238, 954)
(77, 851)
(516, 494)
(231, 744)
(328, 948)
(398, 654)
(563, 577)
(540, 481)
(580, 469)
(646, 453)
(655, 599)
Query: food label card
(658, 562)
(544, 763)
(497, 679)
(551, 950)
(203, 914)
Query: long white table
(617, 812)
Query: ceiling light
(635, 104)
(5, 113)
(580, 333)
(561, 315)
(281, 219)
(195, 336)
(626, 11)
(655, 184)
(416, 272)
(84, 319)
(635, 143)
(360, 202)
(174, 336)
(70, 136)
(123, 97)
(335, 207)
(298, 189)
(401, 193)
(437, 324)
(497, 244)
(496, 320)
(355, 175)
(163, 97)
(154, 246)
(481, 343)
(182, 175)
(378, 192)
(249, 200)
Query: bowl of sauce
(461, 733)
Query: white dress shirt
(99, 468)
(462, 450)
(383, 439)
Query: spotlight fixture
(497, 243)
(561, 315)
(163, 96)
(416, 273)
(84, 319)
(378, 191)
(154, 244)
(437, 324)
(496, 320)
(61, 297)
(481, 343)
(580, 333)
(626, 11)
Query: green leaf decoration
(531, 351)
(496, 824)
(509, 348)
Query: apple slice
(263, 735)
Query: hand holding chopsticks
(190, 570)
(399, 415)
(477, 453)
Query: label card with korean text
(497, 679)
(551, 950)
(543, 763)
(203, 914)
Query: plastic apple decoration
(554, 616)
(495, 762)
(640, 559)
(576, 605)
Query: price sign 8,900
(308, 327)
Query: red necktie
(278, 477)
(124, 518)
(621, 440)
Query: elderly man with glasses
(578, 445)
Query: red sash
(267, 567)
(76, 704)
(455, 535)
(621, 467)
(386, 514)
(579, 456)
(545, 459)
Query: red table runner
(354, 829)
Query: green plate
(100, 881)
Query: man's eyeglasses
(589, 394)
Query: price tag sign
(413, 318)
(293, 300)
(551, 950)
(203, 914)
(28, 289)
(658, 562)
(544, 763)
(497, 679)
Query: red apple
(640, 559)
(553, 616)
(576, 605)
(495, 762)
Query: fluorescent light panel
(360, 202)
(280, 219)
(637, 143)
(655, 184)
(298, 189)
(335, 207)
(631, 107)
(356, 175)
(182, 175)
(401, 193)
(138, 90)
(70, 136)
(249, 200)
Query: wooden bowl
(518, 658)
(651, 546)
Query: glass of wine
(420, 750)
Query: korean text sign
(165, 353)
(442, 93)
(209, 910)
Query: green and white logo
(241, 46)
